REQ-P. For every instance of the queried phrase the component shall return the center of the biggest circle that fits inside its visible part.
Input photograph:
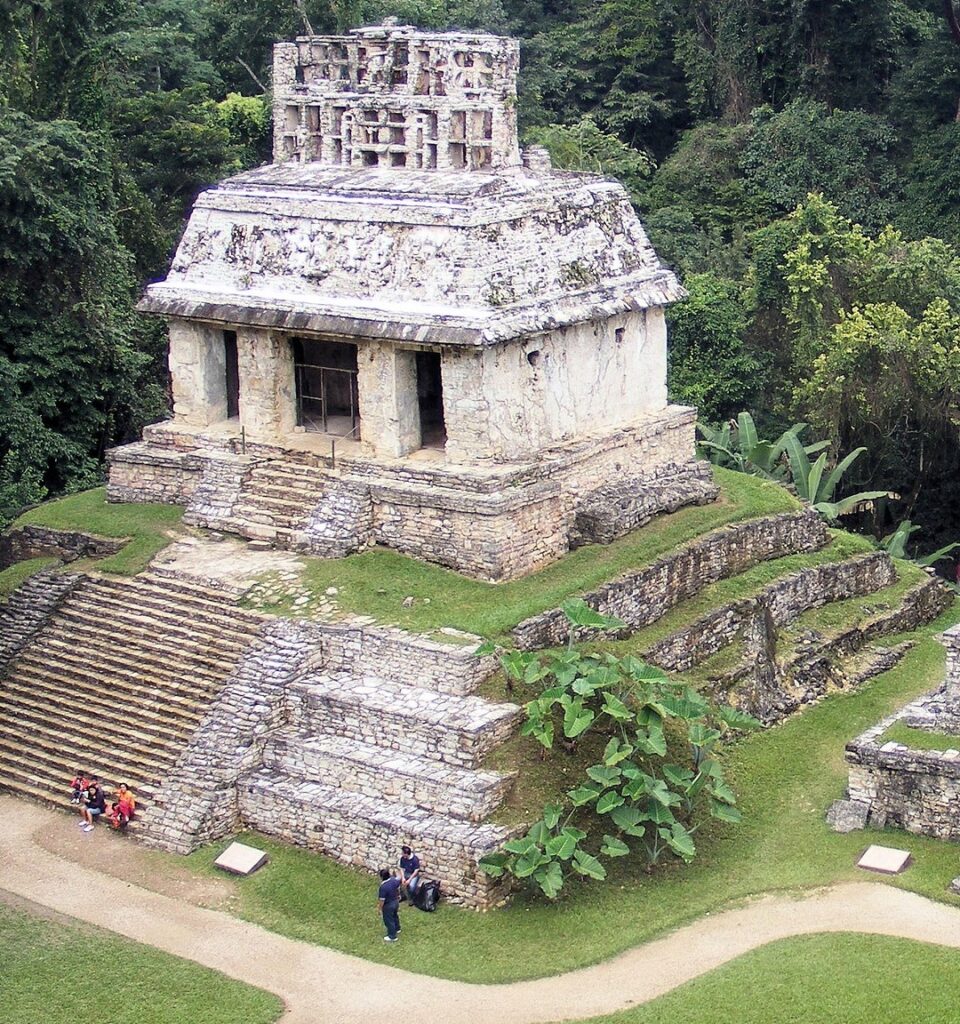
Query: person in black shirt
(409, 865)
(93, 806)
(388, 903)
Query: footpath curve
(322, 986)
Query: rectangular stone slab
(240, 859)
(884, 859)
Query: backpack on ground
(427, 896)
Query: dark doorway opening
(433, 430)
(232, 371)
(326, 379)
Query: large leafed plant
(657, 775)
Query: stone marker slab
(240, 859)
(884, 859)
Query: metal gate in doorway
(327, 399)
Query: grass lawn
(919, 739)
(58, 973)
(786, 778)
(148, 526)
(14, 575)
(377, 581)
(816, 979)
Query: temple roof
(435, 257)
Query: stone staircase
(366, 764)
(115, 684)
(276, 501)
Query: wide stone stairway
(115, 684)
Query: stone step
(65, 754)
(180, 593)
(130, 735)
(142, 660)
(457, 731)
(390, 775)
(280, 470)
(254, 513)
(285, 489)
(368, 831)
(145, 607)
(126, 626)
(151, 703)
(55, 776)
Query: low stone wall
(780, 603)
(142, 472)
(644, 596)
(30, 607)
(891, 785)
(199, 801)
(42, 542)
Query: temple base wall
(496, 523)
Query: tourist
(409, 871)
(121, 811)
(78, 787)
(388, 903)
(93, 805)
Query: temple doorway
(433, 430)
(232, 373)
(326, 383)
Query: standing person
(409, 865)
(388, 903)
(93, 806)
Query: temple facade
(405, 331)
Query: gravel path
(321, 986)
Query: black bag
(427, 896)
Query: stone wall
(642, 597)
(778, 604)
(511, 401)
(197, 361)
(365, 833)
(406, 658)
(146, 472)
(30, 607)
(42, 542)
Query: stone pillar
(389, 410)
(466, 409)
(286, 57)
(654, 357)
(268, 401)
(198, 372)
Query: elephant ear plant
(655, 779)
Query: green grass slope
(56, 973)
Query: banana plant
(817, 486)
(738, 446)
(895, 544)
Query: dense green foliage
(721, 116)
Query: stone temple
(406, 331)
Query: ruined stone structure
(406, 332)
(891, 784)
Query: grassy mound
(61, 974)
(149, 527)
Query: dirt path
(321, 986)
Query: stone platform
(495, 522)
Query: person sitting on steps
(92, 807)
(121, 811)
(78, 787)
